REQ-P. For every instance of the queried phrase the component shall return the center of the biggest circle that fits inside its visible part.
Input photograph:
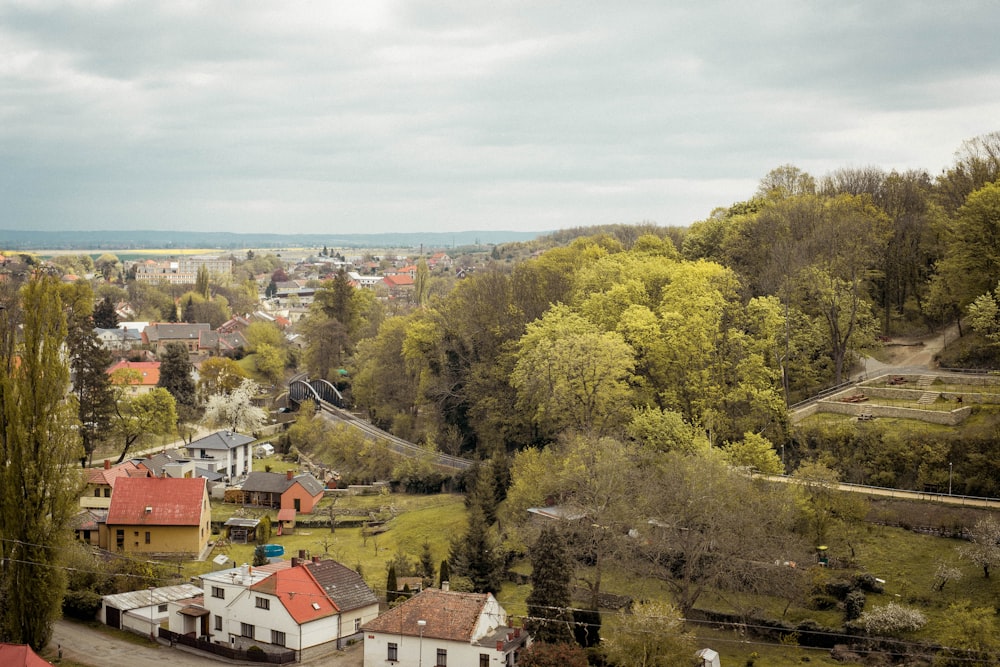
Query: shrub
(854, 605)
(83, 605)
(892, 619)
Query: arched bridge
(333, 406)
(301, 388)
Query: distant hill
(139, 239)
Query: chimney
(499, 646)
(302, 554)
(315, 559)
(107, 464)
(289, 475)
(245, 574)
(445, 586)
(295, 561)
(517, 632)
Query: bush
(868, 583)
(892, 619)
(256, 654)
(83, 605)
(854, 605)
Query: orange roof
(299, 593)
(402, 280)
(149, 371)
(157, 501)
(110, 475)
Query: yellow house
(159, 515)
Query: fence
(272, 657)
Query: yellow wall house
(159, 515)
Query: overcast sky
(370, 116)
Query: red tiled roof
(150, 371)
(450, 615)
(109, 476)
(20, 655)
(299, 593)
(398, 280)
(171, 501)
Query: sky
(381, 116)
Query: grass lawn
(905, 560)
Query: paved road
(93, 647)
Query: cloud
(384, 116)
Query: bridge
(333, 407)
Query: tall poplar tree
(38, 483)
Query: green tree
(219, 375)
(971, 634)
(152, 413)
(754, 452)
(176, 376)
(549, 618)
(421, 283)
(391, 587)
(201, 283)
(108, 266)
(259, 333)
(971, 263)
(984, 315)
(444, 573)
(652, 635)
(105, 316)
(569, 374)
(37, 481)
(271, 362)
(476, 555)
(259, 555)
(427, 563)
(88, 362)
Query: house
(217, 343)
(141, 377)
(285, 491)
(90, 527)
(159, 515)
(143, 611)
(400, 285)
(100, 482)
(307, 606)
(160, 334)
(121, 339)
(226, 452)
(20, 655)
(440, 627)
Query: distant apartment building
(182, 271)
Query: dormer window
(149, 509)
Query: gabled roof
(299, 593)
(174, 331)
(108, 476)
(155, 463)
(169, 501)
(276, 482)
(221, 440)
(450, 615)
(149, 371)
(401, 280)
(20, 655)
(345, 587)
(227, 342)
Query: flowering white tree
(892, 619)
(236, 410)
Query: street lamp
(151, 609)
(949, 478)
(420, 650)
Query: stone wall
(947, 418)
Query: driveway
(95, 648)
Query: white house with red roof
(307, 606)
(159, 515)
(101, 482)
(441, 627)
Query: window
(357, 625)
(107, 492)
(218, 592)
(246, 629)
(484, 660)
(277, 638)
(162, 609)
(442, 658)
(263, 603)
(147, 537)
(393, 652)
(218, 622)
(120, 539)
(97, 493)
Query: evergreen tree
(105, 316)
(444, 573)
(484, 494)
(476, 555)
(38, 487)
(391, 585)
(177, 378)
(259, 556)
(549, 618)
(91, 385)
(427, 563)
